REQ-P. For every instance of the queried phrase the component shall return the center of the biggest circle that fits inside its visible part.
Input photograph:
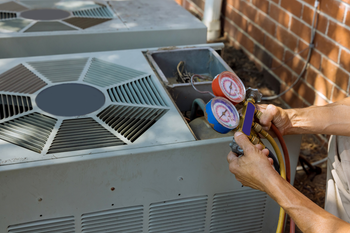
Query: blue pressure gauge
(222, 115)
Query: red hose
(287, 161)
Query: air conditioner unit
(47, 27)
(94, 142)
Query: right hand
(275, 115)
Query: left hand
(254, 168)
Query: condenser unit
(94, 142)
(47, 27)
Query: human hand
(254, 168)
(278, 116)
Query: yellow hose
(283, 174)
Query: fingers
(231, 157)
(265, 152)
(268, 115)
(243, 141)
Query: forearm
(308, 216)
(330, 119)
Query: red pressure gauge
(228, 85)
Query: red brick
(338, 94)
(310, 2)
(315, 79)
(244, 41)
(255, 33)
(319, 101)
(179, 2)
(347, 18)
(267, 24)
(308, 14)
(334, 73)
(326, 47)
(274, 47)
(294, 62)
(291, 98)
(305, 91)
(279, 15)
(339, 33)
(262, 5)
(286, 38)
(275, 1)
(292, 6)
(333, 8)
(248, 11)
(233, 3)
(199, 3)
(300, 29)
(345, 59)
(236, 18)
(282, 72)
(315, 58)
(190, 6)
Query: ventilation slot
(185, 215)
(49, 27)
(241, 211)
(118, 220)
(102, 73)
(20, 79)
(82, 134)
(11, 105)
(57, 225)
(60, 71)
(12, 6)
(131, 122)
(30, 131)
(142, 91)
(84, 23)
(14, 25)
(6, 15)
(100, 12)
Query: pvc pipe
(211, 18)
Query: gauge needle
(223, 114)
(230, 88)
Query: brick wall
(273, 32)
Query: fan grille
(131, 122)
(7, 15)
(82, 134)
(99, 12)
(30, 131)
(11, 105)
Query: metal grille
(30, 131)
(84, 23)
(20, 79)
(49, 27)
(100, 12)
(11, 105)
(12, 6)
(14, 25)
(240, 211)
(102, 73)
(57, 225)
(128, 219)
(141, 91)
(131, 122)
(82, 134)
(7, 15)
(60, 70)
(184, 215)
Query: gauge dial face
(225, 113)
(232, 87)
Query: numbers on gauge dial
(230, 88)
(224, 114)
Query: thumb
(243, 141)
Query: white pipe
(211, 18)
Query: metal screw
(181, 178)
(40, 199)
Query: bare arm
(329, 119)
(254, 170)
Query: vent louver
(231, 213)
(84, 23)
(82, 134)
(14, 25)
(141, 91)
(128, 219)
(103, 74)
(30, 131)
(11, 105)
(99, 12)
(60, 70)
(12, 6)
(49, 27)
(57, 225)
(131, 122)
(185, 215)
(20, 79)
(7, 15)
